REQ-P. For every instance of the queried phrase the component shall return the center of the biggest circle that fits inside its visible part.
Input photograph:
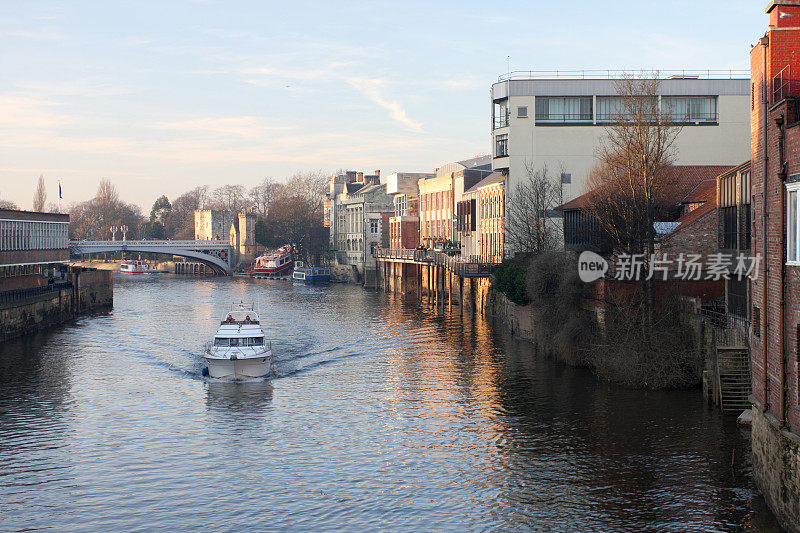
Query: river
(385, 415)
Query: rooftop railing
(613, 74)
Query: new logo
(591, 266)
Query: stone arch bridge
(216, 254)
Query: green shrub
(509, 279)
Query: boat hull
(252, 367)
(312, 278)
(267, 271)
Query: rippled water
(386, 415)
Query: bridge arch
(196, 250)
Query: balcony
(470, 267)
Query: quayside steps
(733, 378)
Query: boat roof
(239, 330)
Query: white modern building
(557, 119)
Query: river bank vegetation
(612, 337)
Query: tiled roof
(693, 215)
(681, 182)
(683, 179)
(703, 192)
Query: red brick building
(775, 189)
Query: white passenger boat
(133, 267)
(239, 350)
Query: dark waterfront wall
(90, 290)
(776, 467)
(435, 284)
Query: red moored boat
(275, 262)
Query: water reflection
(247, 397)
(384, 415)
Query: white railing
(610, 74)
(194, 245)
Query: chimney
(360, 177)
(378, 173)
(787, 14)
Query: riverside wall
(436, 284)
(90, 290)
(776, 466)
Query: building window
(501, 145)
(728, 228)
(690, 108)
(756, 321)
(564, 109)
(613, 108)
(522, 112)
(501, 114)
(792, 228)
(373, 226)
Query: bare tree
(92, 219)
(230, 197)
(629, 183)
(8, 204)
(295, 216)
(179, 223)
(40, 196)
(311, 186)
(262, 195)
(530, 224)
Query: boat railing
(208, 345)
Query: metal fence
(729, 329)
(17, 295)
(465, 267)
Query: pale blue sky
(163, 96)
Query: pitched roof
(681, 183)
(494, 177)
(481, 162)
(683, 179)
(703, 192)
(692, 216)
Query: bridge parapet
(199, 250)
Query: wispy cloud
(374, 90)
(22, 113)
(248, 127)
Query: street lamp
(124, 230)
(113, 230)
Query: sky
(161, 97)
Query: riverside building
(555, 120)
(34, 246)
(403, 187)
(438, 196)
(775, 287)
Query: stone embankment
(27, 312)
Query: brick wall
(774, 52)
(696, 237)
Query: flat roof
(608, 87)
(14, 214)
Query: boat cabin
(241, 317)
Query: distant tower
(247, 235)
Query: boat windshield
(241, 341)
